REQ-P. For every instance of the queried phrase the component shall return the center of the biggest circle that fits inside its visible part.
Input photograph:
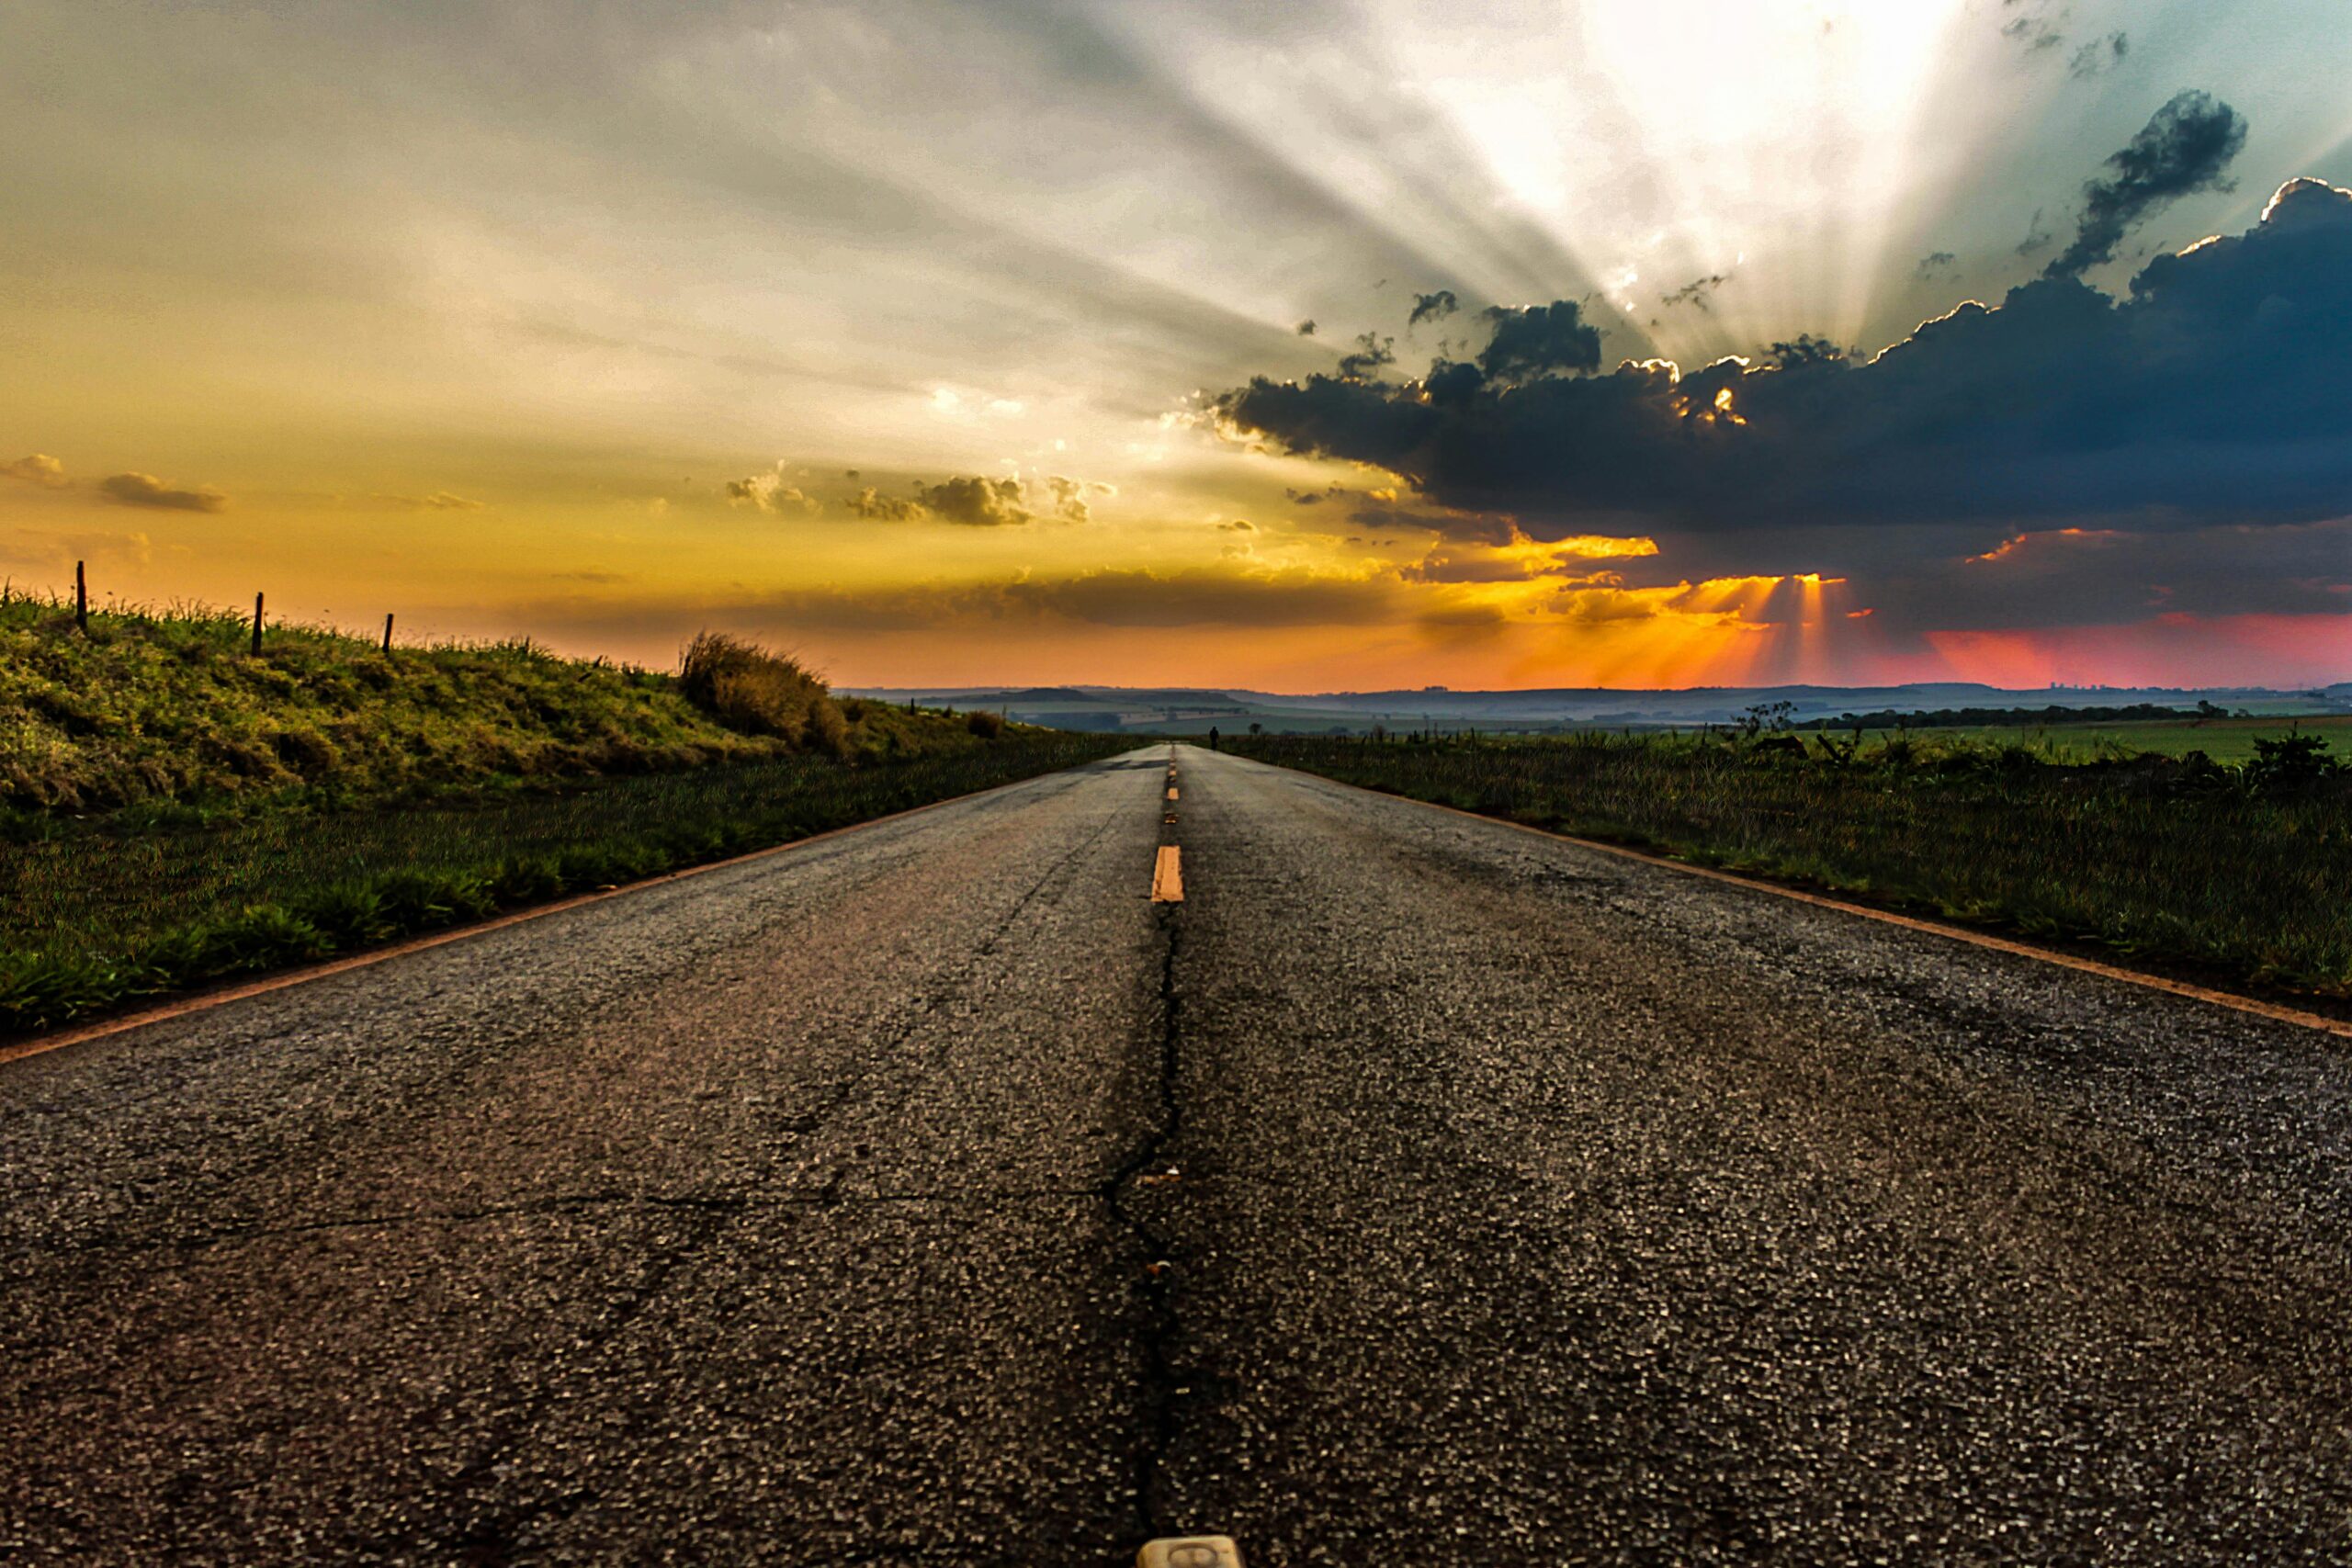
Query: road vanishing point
(1108, 1158)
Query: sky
(1336, 344)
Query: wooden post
(80, 598)
(387, 633)
(256, 625)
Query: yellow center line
(1190, 1552)
(1168, 876)
(1171, 791)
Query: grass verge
(99, 917)
(2236, 872)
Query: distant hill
(1191, 709)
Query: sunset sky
(1296, 347)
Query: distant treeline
(1958, 718)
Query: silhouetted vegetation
(2243, 868)
(2009, 718)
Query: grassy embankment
(173, 811)
(2242, 871)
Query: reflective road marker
(1167, 877)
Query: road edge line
(203, 1001)
(2276, 1012)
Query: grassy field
(2240, 871)
(175, 810)
(172, 710)
(94, 919)
(2224, 740)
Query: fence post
(256, 625)
(387, 633)
(81, 599)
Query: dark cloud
(1373, 353)
(977, 503)
(1433, 307)
(39, 469)
(1934, 266)
(1538, 340)
(1115, 597)
(2212, 393)
(1699, 292)
(146, 490)
(2184, 147)
(1306, 327)
(2108, 576)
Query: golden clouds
(39, 469)
(146, 490)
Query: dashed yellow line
(1168, 876)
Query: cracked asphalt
(1418, 1190)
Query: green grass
(2224, 740)
(170, 710)
(2240, 871)
(93, 920)
(175, 810)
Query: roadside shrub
(986, 726)
(2289, 764)
(749, 688)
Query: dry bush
(986, 725)
(746, 687)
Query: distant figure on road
(1212, 737)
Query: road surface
(1416, 1191)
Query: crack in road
(1157, 1281)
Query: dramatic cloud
(1539, 340)
(2212, 393)
(2186, 147)
(2105, 576)
(1433, 307)
(41, 468)
(146, 490)
(977, 503)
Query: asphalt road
(1417, 1190)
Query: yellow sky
(605, 323)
